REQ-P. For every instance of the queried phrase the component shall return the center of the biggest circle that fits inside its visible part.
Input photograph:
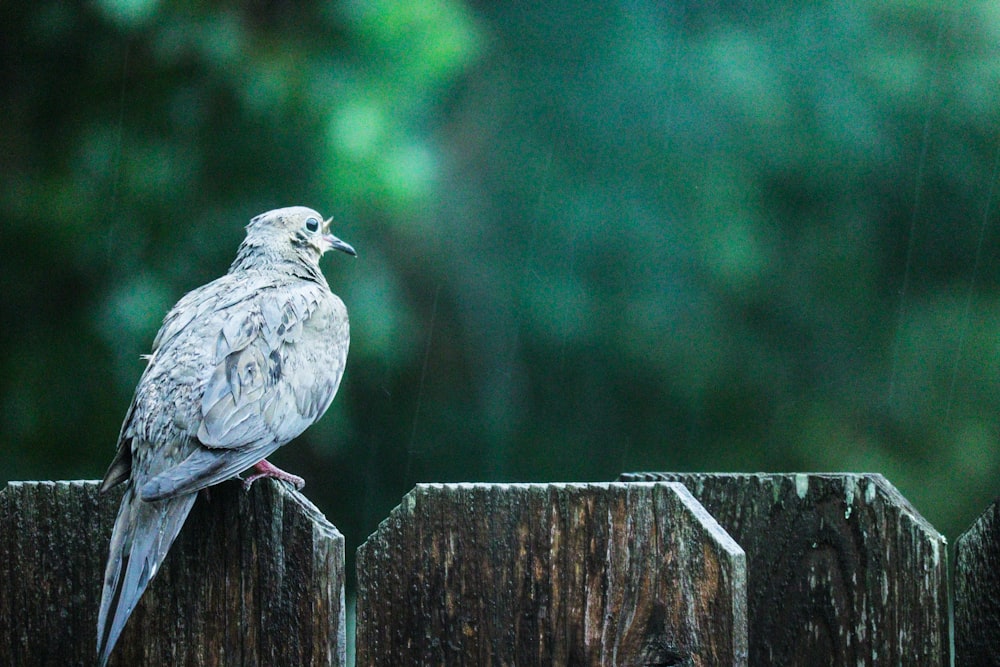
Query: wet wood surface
(842, 570)
(977, 591)
(551, 574)
(254, 578)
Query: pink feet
(264, 468)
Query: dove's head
(294, 232)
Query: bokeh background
(593, 236)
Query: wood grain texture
(542, 574)
(977, 591)
(842, 570)
(255, 578)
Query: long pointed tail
(142, 536)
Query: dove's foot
(266, 469)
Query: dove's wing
(175, 333)
(203, 468)
(277, 363)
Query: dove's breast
(314, 365)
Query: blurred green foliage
(593, 237)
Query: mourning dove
(240, 367)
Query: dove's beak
(337, 244)
(334, 242)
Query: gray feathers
(142, 535)
(240, 367)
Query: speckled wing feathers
(252, 370)
(277, 365)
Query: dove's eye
(312, 225)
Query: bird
(241, 366)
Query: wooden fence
(655, 569)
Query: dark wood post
(543, 574)
(977, 591)
(255, 578)
(842, 570)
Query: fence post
(841, 569)
(255, 578)
(977, 591)
(528, 574)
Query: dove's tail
(142, 535)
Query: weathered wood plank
(255, 578)
(977, 591)
(541, 574)
(842, 570)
